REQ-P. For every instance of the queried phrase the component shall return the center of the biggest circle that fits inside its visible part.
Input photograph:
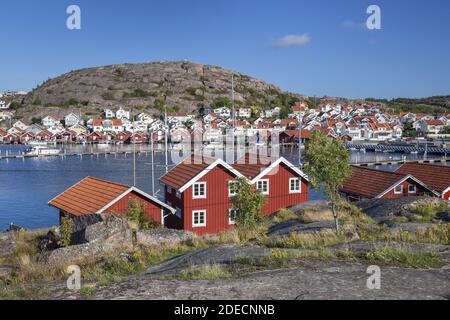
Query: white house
(178, 117)
(20, 125)
(109, 114)
(244, 113)
(50, 121)
(71, 120)
(3, 105)
(107, 125)
(122, 114)
(145, 118)
(223, 112)
(431, 126)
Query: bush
(66, 230)
(248, 204)
(136, 214)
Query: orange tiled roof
(88, 196)
(184, 172)
(370, 182)
(434, 176)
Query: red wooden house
(122, 137)
(26, 137)
(96, 137)
(365, 183)
(201, 191)
(96, 196)
(139, 138)
(44, 135)
(284, 184)
(11, 138)
(3, 134)
(435, 176)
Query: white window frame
(231, 221)
(193, 190)
(198, 225)
(415, 189)
(291, 191)
(268, 186)
(229, 188)
(401, 189)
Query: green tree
(247, 203)
(327, 165)
(447, 130)
(408, 130)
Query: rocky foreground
(311, 281)
(294, 256)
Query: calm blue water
(26, 185)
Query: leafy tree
(221, 102)
(447, 130)
(247, 203)
(36, 120)
(327, 165)
(408, 130)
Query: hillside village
(349, 122)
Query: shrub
(247, 203)
(136, 214)
(66, 230)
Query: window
(199, 218)
(398, 189)
(412, 189)
(232, 188)
(199, 190)
(178, 213)
(263, 185)
(232, 213)
(294, 185)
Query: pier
(400, 162)
(399, 149)
(74, 154)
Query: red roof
(434, 176)
(434, 123)
(306, 134)
(370, 182)
(99, 122)
(88, 196)
(185, 171)
(251, 165)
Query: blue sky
(331, 54)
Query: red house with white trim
(96, 196)
(365, 183)
(201, 190)
(436, 177)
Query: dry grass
(284, 215)
(303, 241)
(311, 215)
(205, 272)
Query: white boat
(42, 151)
(36, 143)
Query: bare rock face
(110, 235)
(163, 236)
(145, 86)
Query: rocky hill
(183, 86)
